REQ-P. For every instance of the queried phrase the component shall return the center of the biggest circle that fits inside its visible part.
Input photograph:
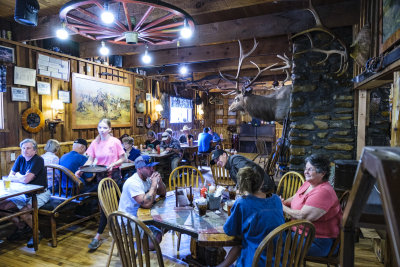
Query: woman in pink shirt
(108, 151)
(317, 202)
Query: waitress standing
(108, 151)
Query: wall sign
(43, 88)
(24, 76)
(53, 67)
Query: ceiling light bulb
(107, 17)
(62, 34)
(146, 58)
(186, 32)
(104, 49)
(183, 70)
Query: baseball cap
(215, 155)
(144, 161)
(81, 141)
(165, 136)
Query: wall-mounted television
(181, 110)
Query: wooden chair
(189, 156)
(332, 258)
(132, 238)
(289, 184)
(184, 176)
(220, 174)
(109, 195)
(284, 247)
(64, 201)
(262, 153)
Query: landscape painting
(94, 99)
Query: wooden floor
(72, 250)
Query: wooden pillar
(362, 121)
(395, 136)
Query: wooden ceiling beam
(270, 46)
(333, 15)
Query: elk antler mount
(343, 53)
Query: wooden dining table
(17, 189)
(206, 230)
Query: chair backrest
(286, 245)
(289, 184)
(109, 195)
(185, 176)
(72, 185)
(132, 237)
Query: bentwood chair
(109, 195)
(289, 184)
(220, 175)
(133, 239)
(286, 245)
(184, 176)
(333, 257)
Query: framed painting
(6, 54)
(140, 122)
(139, 83)
(389, 24)
(64, 96)
(162, 123)
(43, 88)
(95, 98)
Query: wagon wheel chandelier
(136, 22)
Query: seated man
(214, 135)
(28, 169)
(235, 162)
(184, 138)
(75, 159)
(204, 141)
(171, 144)
(140, 190)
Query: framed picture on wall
(43, 88)
(139, 84)
(64, 96)
(219, 121)
(6, 54)
(19, 94)
(140, 122)
(162, 123)
(389, 24)
(219, 112)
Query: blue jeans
(320, 247)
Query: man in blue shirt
(75, 159)
(204, 141)
(214, 135)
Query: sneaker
(94, 244)
(30, 242)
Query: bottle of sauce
(158, 149)
(203, 192)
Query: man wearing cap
(75, 159)
(171, 144)
(184, 138)
(235, 162)
(140, 189)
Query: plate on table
(93, 168)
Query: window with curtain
(181, 110)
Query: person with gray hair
(151, 142)
(317, 202)
(28, 169)
(50, 157)
(171, 144)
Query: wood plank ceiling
(219, 24)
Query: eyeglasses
(309, 170)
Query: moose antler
(320, 27)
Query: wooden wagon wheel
(153, 21)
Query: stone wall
(322, 102)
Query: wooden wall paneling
(96, 72)
(89, 69)
(362, 111)
(395, 136)
(82, 67)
